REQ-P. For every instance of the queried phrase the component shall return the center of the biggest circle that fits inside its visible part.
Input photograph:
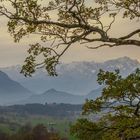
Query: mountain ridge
(76, 77)
(11, 90)
(54, 96)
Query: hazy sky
(14, 53)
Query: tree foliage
(118, 108)
(75, 21)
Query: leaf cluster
(118, 109)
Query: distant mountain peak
(124, 59)
(52, 90)
(2, 74)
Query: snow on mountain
(78, 78)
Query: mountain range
(78, 78)
(75, 82)
(55, 96)
(11, 91)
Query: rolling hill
(54, 96)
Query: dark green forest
(52, 110)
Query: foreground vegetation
(120, 108)
(12, 123)
(39, 132)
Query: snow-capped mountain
(78, 78)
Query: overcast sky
(14, 53)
